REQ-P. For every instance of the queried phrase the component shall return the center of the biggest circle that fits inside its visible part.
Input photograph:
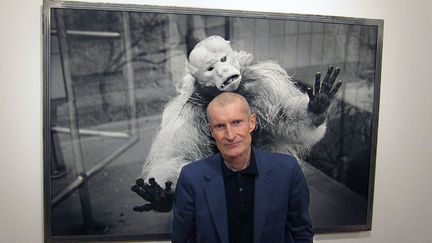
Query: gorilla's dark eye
(210, 68)
(223, 59)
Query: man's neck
(238, 163)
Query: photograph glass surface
(110, 70)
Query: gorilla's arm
(284, 120)
(181, 139)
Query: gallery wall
(402, 195)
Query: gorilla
(288, 120)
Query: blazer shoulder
(278, 160)
(196, 168)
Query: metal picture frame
(109, 70)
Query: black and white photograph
(124, 108)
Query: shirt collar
(250, 170)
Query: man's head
(214, 63)
(231, 123)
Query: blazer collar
(263, 192)
(216, 197)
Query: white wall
(402, 193)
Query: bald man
(242, 194)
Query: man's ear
(252, 122)
(210, 129)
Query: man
(242, 194)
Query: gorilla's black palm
(323, 93)
(159, 199)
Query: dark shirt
(239, 192)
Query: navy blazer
(280, 207)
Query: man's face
(231, 127)
(214, 64)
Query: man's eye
(223, 59)
(237, 122)
(210, 68)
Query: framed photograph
(111, 72)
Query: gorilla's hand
(159, 199)
(322, 94)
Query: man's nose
(229, 133)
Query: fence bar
(101, 34)
(103, 163)
(67, 191)
(90, 173)
(92, 132)
(128, 72)
(86, 209)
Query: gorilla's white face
(213, 63)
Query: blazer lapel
(216, 198)
(263, 193)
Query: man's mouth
(230, 80)
(231, 145)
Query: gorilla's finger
(168, 185)
(326, 83)
(325, 87)
(318, 120)
(328, 74)
(135, 188)
(317, 86)
(148, 189)
(335, 89)
(142, 192)
(334, 76)
(309, 91)
(143, 208)
(152, 182)
(140, 182)
(155, 187)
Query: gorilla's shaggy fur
(283, 122)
